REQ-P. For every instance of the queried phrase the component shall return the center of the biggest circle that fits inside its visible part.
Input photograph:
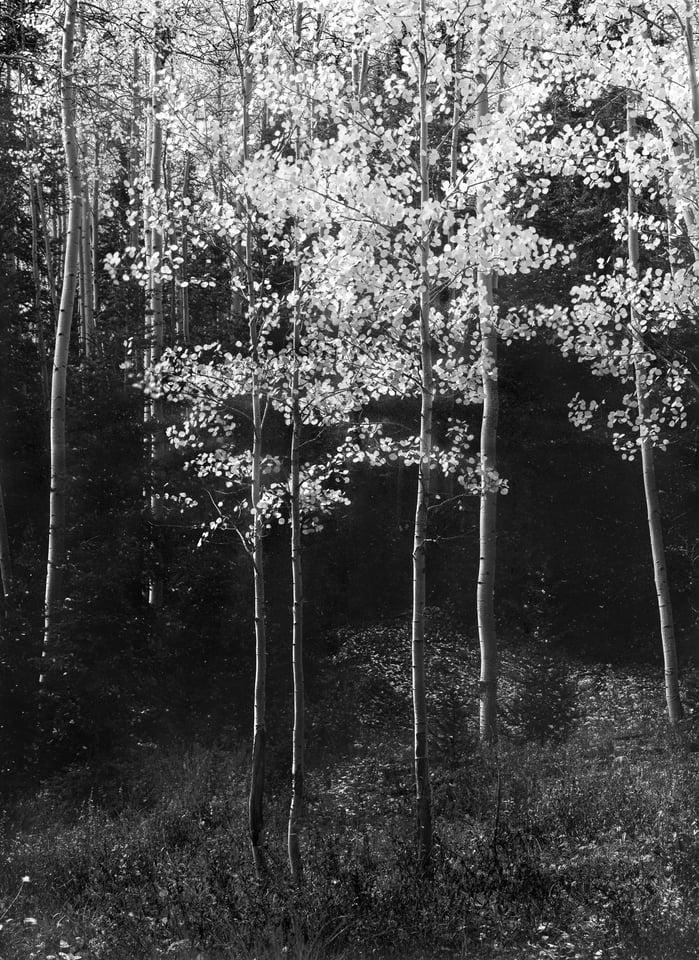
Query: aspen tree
(259, 735)
(646, 78)
(48, 254)
(94, 239)
(154, 307)
(36, 276)
(134, 163)
(421, 753)
(689, 206)
(85, 289)
(183, 331)
(296, 807)
(87, 275)
(485, 594)
(650, 486)
(56, 562)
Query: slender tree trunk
(82, 309)
(421, 752)
(173, 307)
(134, 140)
(259, 737)
(259, 732)
(94, 238)
(662, 586)
(456, 110)
(5, 556)
(55, 568)
(36, 276)
(297, 805)
(669, 222)
(154, 314)
(689, 211)
(693, 83)
(296, 809)
(183, 320)
(86, 276)
(360, 72)
(677, 151)
(50, 272)
(58, 229)
(485, 594)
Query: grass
(591, 852)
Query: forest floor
(577, 838)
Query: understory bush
(581, 846)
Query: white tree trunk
(55, 567)
(183, 332)
(485, 594)
(87, 275)
(296, 809)
(154, 314)
(650, 486)
(423, 793)
(259, 733)
(50, 272)
(36, 276)
(298, 747)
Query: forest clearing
(349, 480)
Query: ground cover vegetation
(348, 479)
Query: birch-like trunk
(50, 272)
(297, 805)
(296, 808)
(423, 793)
(94, 239)
(87, 274)
(689, 205)
(259, 731)
(655, 528)
(360, 72)
(55, 568)
(36, 277)
(183, 313)
(154, 313)
(693, 82)
(82, 312)
(134, 159)
(485, 594)
(259, 734)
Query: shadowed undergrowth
(591, 852)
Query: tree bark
(134, 140)
(296, 809)
(50, 272)
(183, 318)
(94, 240)
(259, 737)
(36, 276)
(154, 313)
(297, 805)
(485, 594)
(259, 733)
(55, 568)
(423, 793)
(87, 277)
(655, 527)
